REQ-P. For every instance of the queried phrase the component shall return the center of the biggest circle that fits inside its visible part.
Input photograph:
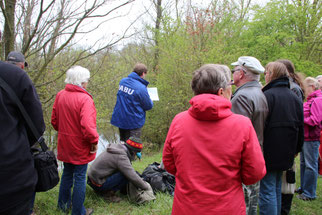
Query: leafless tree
(45, 29)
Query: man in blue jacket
(132, 102)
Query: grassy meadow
(46, 203)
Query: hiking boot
(89, 211)
(304, 198)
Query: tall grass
(46, 203)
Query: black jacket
(284, 132)
(17, 173)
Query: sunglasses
(235, 70)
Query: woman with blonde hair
(283, 135)
(297, 86)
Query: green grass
(300, 207)
(46, 202)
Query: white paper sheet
(153, 93)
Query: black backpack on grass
(159, 179)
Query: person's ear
(242, 74)
(22, 65)
(220, 92)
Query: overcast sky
(129, 13)
(112, 29)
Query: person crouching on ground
(112, 170)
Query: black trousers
(286, 203)
(22, 208)
(125, 134)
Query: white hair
(310, 81)
(77, 75)
(250, 75)
(318, 77)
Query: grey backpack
(139, 196)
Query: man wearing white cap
(250, 101)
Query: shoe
(304, 198)
(298, 190)
(89, 211)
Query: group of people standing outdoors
(74, 118)
(225, 150)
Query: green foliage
(218, 34)
(284, 29)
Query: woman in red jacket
(210, 150)
(74, 117)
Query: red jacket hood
(75, 88)
(209, 107)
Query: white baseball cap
(250, 63)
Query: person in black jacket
(18, 177)
(283, 135)
(297, 86)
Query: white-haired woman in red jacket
(74, 117)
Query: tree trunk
(156, 35)
(8, 10)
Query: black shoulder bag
(45, 160)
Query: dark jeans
(73, 176)
(115, 182)
(125, 134)
(309, 168)
(270, 193)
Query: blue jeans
(309, 168)
(115, 182)
(73, 175)
(32, 202)
(270, 193)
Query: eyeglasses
(238, 69)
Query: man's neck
(242, 82)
